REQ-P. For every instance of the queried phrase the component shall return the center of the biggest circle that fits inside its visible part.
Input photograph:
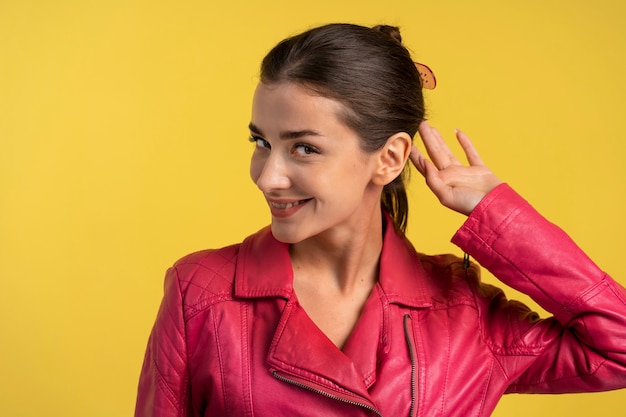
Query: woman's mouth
(286, 209)
(287, 205)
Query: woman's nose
(272, 174)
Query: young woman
(330, 311)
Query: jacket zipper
(414, 371)
(325, 393)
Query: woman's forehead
(292, 102)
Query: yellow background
(123, 146)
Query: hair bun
(392, 31)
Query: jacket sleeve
(583, 346)
(163, 384)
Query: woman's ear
(392, 158)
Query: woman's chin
(285, 235)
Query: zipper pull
(466, 261)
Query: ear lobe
(392, 158)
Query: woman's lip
(286, 208)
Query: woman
(330, 311)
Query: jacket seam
(483, 208)
(565, 309)
(595, 369)
(490, 248)
(483, 337)
(483, 398)
(245, 360)
(592, 292)
(460, 299)
(309, 377)
(185, 393)
(611, 285)
(220, 360)
(204, 302)
(193, 310)
(448, 360)
(168, 391)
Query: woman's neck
(334, 274)
(341, 260)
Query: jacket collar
(264, 268)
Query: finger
(436, 147)
(417, 159)
(433, 180)
(445, 148)
(468, 147)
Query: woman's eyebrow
(295, 134)
(288, 134)
(254, 129)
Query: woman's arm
(164, 380)
(581, 348)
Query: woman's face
(309, 165)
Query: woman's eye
(302, 149)
(260, 142)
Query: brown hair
(371, 73)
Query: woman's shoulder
(208, 275)
(449, 269)
(203, 278)
(208, 260)
(452, 279)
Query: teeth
(287, 205)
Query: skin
(324, 193)
(457, 186)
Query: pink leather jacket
(231, 339)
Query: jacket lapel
(302, 350)
(299, 348)
(402, 277)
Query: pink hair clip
(428, 76)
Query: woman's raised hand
(457, 186)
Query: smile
(283, 210)
(285, 206)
